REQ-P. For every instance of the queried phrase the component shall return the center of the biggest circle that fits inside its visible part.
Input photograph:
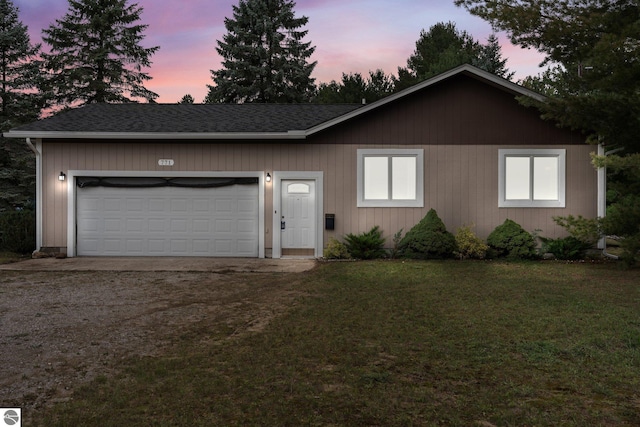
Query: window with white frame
(390, 178)
(532, 178)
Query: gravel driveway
(59, 329)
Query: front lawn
(392, 343)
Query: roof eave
(293, 134)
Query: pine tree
(353, 88)
(490, 59)
(187, 99)
(96, 54)
(20, 103)
(264, 57)
(19, 69)
(440, 49)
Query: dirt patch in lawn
(61, 329)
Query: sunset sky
(349, 35)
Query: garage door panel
(179, 246)
(90, 245)
(88, 225)
(223, 205)
(245, 246)
(201, 225)
(112, 205)
(179, 205)
(245, 206)
(178, 226)
(112, 246)
(201, 246)
(223, 247)
(135, 225)
(201, 205)
(135, 205)
(246, 226)
(157, 205)
(168, 221)
(134, 246)
(157, 246)
(156, 225)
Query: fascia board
(157, 136)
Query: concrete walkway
(221, 265)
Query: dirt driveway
(60, 328)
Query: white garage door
(168, 221)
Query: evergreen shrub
(397, 238)
(428, 239)
(566, 248)
(587, 230)
(369, 245)
(510, 240)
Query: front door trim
(278, 177)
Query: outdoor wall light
(268, 177)
(62, 176)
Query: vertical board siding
(460, 182)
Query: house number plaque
(165, 162)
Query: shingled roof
(224, 121)
(189, 118)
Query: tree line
(265, 59)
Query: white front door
(298, 215)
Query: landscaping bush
(469, 245)
(631, 250)
(397, 238)
(18, 231)
(369, 245)
(428, 239)
(623, 220)
(566, 248)
(587, 230)
(510, 240)
(336, 250)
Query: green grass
(394, 343)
